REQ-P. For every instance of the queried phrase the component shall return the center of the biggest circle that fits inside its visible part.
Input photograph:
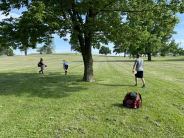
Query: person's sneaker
(39, 71)
(65, 72)
(135, 85)
(144, 85)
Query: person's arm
(134, 67)
(143, 65)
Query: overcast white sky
(64, 46)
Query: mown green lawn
(54, 105)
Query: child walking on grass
(42, 65)
(65, 66)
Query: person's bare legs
(143, 81)
(144, 85)
(136, 80)
(65, 71)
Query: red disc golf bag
(39, 64)
(132, 100)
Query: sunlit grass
(57, 105)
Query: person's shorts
(139, 74)
(66, 67)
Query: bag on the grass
(39, 64)
(132, 100)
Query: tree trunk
(124, 52)
(85, 43)
(88, 61)
(26, 52)
(88, 68)
(149, 56)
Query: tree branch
(64, 15)
(76, 27)
(104, 7)
(124, 10)
(80, 18)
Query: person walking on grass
(65, 66)
(139, 64)
(42, 65)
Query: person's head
(65, 60)
(41, 59)
(138, 55)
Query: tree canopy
(6, 51)
(104, 50)
(90, 23)
(48, 47)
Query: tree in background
(171, 47)
(16, 34)
(174, 48)
(102, 24)
(6, 51)
(119, 49)
(1, 50)
(104, 50)
(41, 50)
(180, 51)
(24, 49)
(9, 52)
(48, 47)
(157, 36)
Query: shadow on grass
(112, 61)
(173, 60)
(116, 85)
(120, 106)
(53, 85)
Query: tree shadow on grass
(53, 85)
(173, 60)
(116, 85)
(112, 61)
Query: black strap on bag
(140, 98)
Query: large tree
(16, 33)
(159, 31)
(90, 22)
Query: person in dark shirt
(42, 65)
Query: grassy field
(54, 105)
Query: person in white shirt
(139, 64)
